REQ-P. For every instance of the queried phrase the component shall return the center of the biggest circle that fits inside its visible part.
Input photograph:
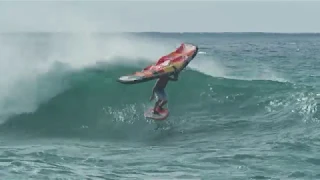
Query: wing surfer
(158, 90)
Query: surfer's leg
(156, 105)
(164, 99)
(163, 102)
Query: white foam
(24, 64)
(213, 67)
(210, 67)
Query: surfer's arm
(152, 95)
(154, 87)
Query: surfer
(158, 90)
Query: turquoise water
(245, 108)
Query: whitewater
(246, 107)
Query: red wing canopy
(167, 64)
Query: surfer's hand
(175, 70)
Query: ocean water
(247, 107)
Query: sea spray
(34, 67)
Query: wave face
(241, 100)
(66, 85)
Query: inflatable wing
(166, 65)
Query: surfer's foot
(155, 112)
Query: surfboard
(166, 65)
(161, 116)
